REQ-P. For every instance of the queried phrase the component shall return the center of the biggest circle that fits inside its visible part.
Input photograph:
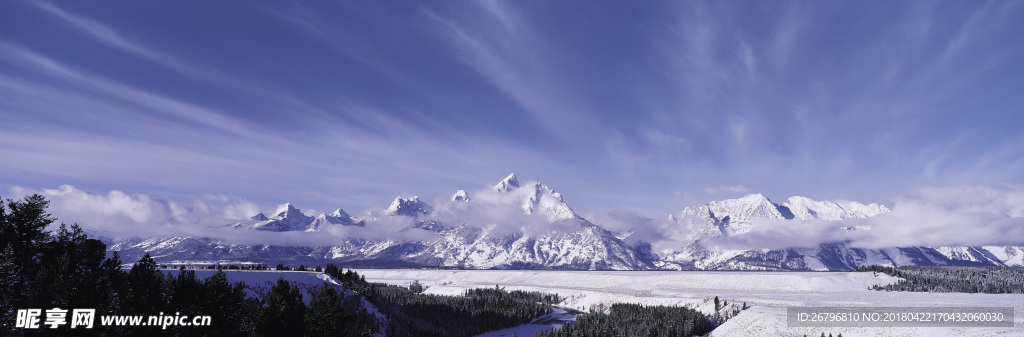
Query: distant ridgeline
(68, 270)
(461, 235)
(992, 280)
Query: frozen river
(768, 294)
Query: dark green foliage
(226, 304)
(416, 287)
(332, 313)
(23, 226)
(40, 270)
(993, 280)
(23, 229)
(325, 317)
(145, 291)
(9, 279)
(68, 274)
(636, 320)
(284, 312)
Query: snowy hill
(527, 225)
(738, 216)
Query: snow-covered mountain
(288, 218)
(731, 217)
(515, 225)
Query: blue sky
(649, 106)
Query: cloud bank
(118, 215)
(933, 217)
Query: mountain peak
(287, 210)
(286, 218)
(461, 195)
(758, 197)
(736, 215)
(408, 207)
(338, 217)
(508, 184)
(339, 213)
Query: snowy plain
(768, 294)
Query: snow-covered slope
(289, 218)
(738, 216)
(408, 207)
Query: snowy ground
(263, 280)
(767, 293)
(557, 317)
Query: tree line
(626, 319)
(67, 270)
(984, 279)
(413, 313)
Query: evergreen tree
(187, 293)
(9, 281)
(23, 228)
(226, 305)
(416, 287)
(70, 272)
(325, 316)
(284, 312)
(145, 291)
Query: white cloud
(952, 216)
(726, 190)
(932, 217)
(661, 233)
(120, 215)
(500, 213)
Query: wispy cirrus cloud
(109, 37)
(171, 107)
(647, 107)
(502, 46)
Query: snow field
(767, 293)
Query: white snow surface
(768, 294)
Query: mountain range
(517, 225)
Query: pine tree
(225, 303)
(23, 228)
(416, 287)
(10, 281)
(145, 293)
(325, 316)
(284, 312)
(188, 293)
